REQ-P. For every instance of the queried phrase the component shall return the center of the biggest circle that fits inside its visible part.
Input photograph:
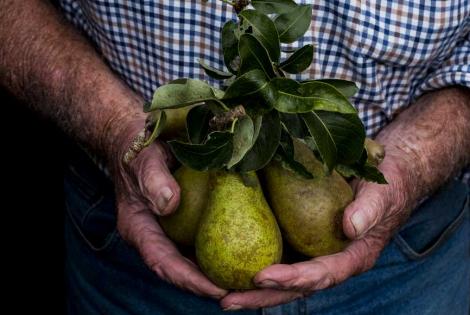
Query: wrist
(405, 169)
(119, 134)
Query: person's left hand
(370, 220)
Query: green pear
(238, 234)
(175, 125)
(181, 225)
(309, 211)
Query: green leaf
(254, 90)
(285, 152)
(160, 119)
(372, 174)
(348, 135)
(338, 138)
(213, 154)
(347, 88)
(216, 106)
(326, 97)
(273, 6)
(299, 60)
(247, 84)
(294, 125)
(286, 85)
(367, 172)
(322, 138)
(264, 30)
(218, 93)
(258, 121)
(242, 140)
(346, 171)
(213, 72)
(230, 45)
(288, 98)
(197, 123)
(265, 146)
(286, 145)
(294, 166)
(254, 56)
(316, 96)
(362, 169)
(181, 93)
(293, 24)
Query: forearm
(50, 66)
(430, 141)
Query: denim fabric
(424, 270)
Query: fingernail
(233, 307)
(165, 196)
(359, 223)
(268, 284)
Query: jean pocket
(434, 221)
(90, 203)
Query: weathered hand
(370, 220)
(145, 188)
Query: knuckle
(157, 267)
(356, 260)
(124, 228)
(160, 267)
(365, 254)
(328, 279)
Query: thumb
(157, 185)
(365, 211)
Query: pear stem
(218, 122)
(238, 5)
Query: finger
(162, 257)
(254, 299)
(184, 274)
(366, 211)
(322, 272)
(155, 181)
(170, 160)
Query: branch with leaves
(260, 110)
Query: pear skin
(238, 234)
(309, 211)
(375, 152)
(181, 225)
(175, 126)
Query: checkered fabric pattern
(394, 50)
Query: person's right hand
(145, 188)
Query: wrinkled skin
(140, 196)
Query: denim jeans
(424, 270)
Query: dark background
(32, 208)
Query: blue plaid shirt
(394, 50)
